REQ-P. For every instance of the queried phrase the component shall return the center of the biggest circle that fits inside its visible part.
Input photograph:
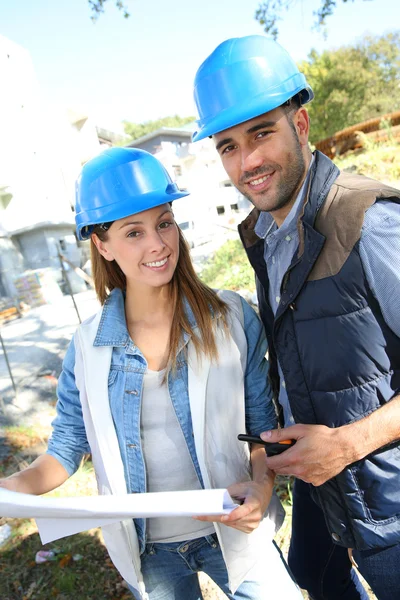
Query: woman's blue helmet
(244, 78)
(120, 182)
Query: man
(325, 247)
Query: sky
(143, 67)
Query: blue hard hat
(120, 182)
(244, 78)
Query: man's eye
(262, 134)
(227, 149)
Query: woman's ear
(102, 247)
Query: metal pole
(68, 283)
(9, 370)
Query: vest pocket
(377, 479)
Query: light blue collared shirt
(280, 246)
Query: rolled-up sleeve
(260, 410)
(68, 442)
(380, 257)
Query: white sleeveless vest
(216, 393)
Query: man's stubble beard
(287, 188)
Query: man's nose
(251, 159)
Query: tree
(353, 83)
(268, 13)
(137, 130)
(97, 7)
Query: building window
(177, 170)
(234, 207)
(220, 210)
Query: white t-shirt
(169, 466)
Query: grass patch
(379, 161)
(91, 577)
(21, 438)
(229, 268)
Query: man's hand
(247, 516)
(319, 453)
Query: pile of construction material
(379, 129)
(9, 310)
(37, 287)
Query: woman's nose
(156, 241)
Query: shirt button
(278, 299)
(283, 384)
(288, 238)
(184, 548)
(336, 537)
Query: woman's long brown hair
(185, 284)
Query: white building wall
(38, 158)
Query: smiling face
(144, 245)
(267, 158)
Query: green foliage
(353, 83)
(269, 13)
(97, 7)
(229, 268)
(137, 130)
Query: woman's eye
(133, 234)
(165, 224)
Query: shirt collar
(112, 330)
(266, 225)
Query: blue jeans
(170, 572)
(381, 568)
(324, 569)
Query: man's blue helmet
(244, 78)
(120, 182)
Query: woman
(156, 387)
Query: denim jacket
(68, 442)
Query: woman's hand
(255, 498)
(9, 483)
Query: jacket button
(133, 392)
(336, 537)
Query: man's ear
(102, 248)
(301, 121)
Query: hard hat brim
(261, 104)
(129, 206)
